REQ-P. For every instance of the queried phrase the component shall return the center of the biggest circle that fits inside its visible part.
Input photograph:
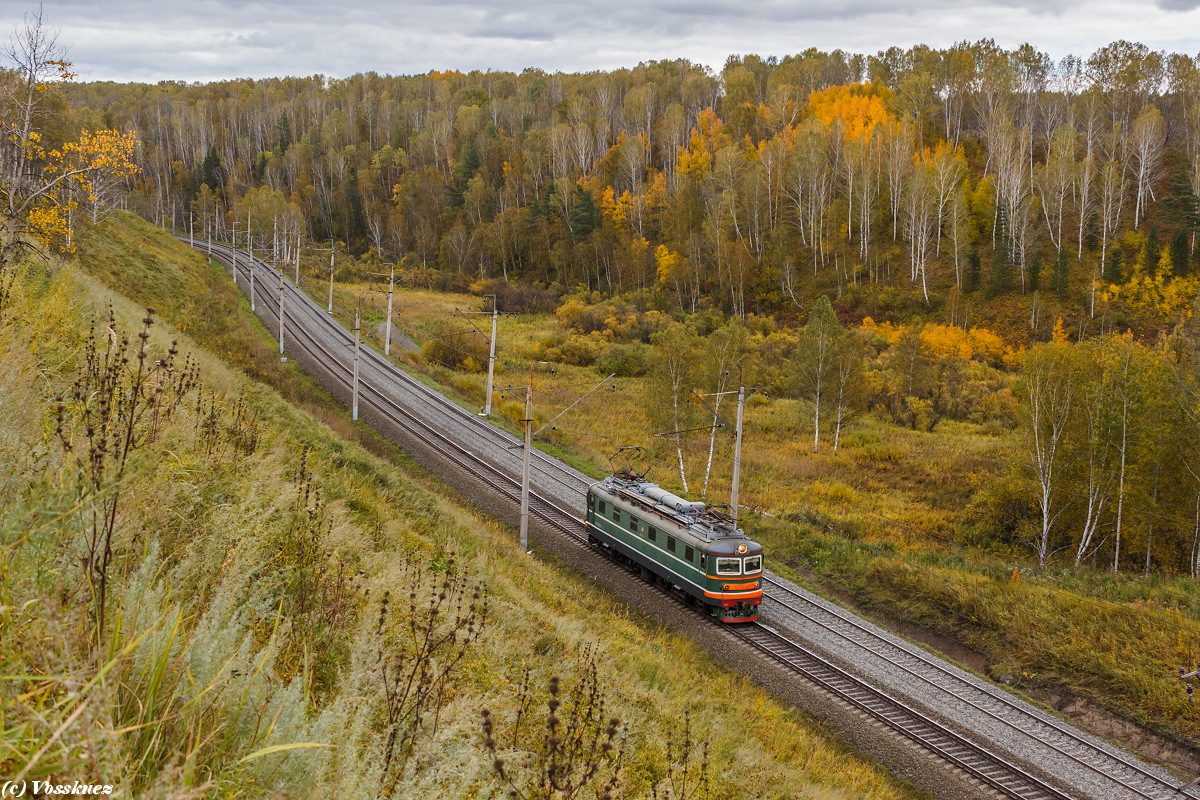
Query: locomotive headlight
(741, 548)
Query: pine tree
(210, 170)
(1035, 271)
(1179, 252)
(1061, 272)
(1115, 266)
(584, 217)
(974, 271)
(1001, 272)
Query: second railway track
(1072, 766)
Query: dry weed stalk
(115, 408)
(319, 592)
(419, 652)
(687, 766)
(580, 751)
(241, 432)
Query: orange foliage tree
(859, 106)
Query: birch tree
(1112, 199)
(1093, 446)
(816, 359)
(675, 358)
(1056, 180)
(848, 388)
(1047, 389)
(1147, 145)
(40, 182)
(724, 349)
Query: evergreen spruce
(1179, 252)
(585, 216)
(285, 132)
(211, 172)
(1114, 266)
(974, 271)
(1061, 271)
(1000, 276)
(1034, 272)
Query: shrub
(627, 361)
(517, 298)
(464, 351)
(1000, 510)
(576, 350)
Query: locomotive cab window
(753, 564)
(703, 561)
(591, 501)
(729, 566)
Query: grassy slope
(201, 576)
(882, 522)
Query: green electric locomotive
(696, 549)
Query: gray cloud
(215, 39)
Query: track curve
(1017, 750)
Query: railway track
(1004, 743)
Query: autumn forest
(950, 209)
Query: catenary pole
(387, 335)
(525, 463)
(487, 406)
(737, 450)
(250, 251)
(281, 314)
(235, 253)
(354, 408)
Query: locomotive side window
(671, 543)
(753, 564)
(616, 514)
(633, 526)
(602, 508)
(689, 554)
(703, 559)
(729, 566)
(651, 534)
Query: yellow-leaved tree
(42, 177)
(859, 108)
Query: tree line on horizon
(920, 175)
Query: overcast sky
(201, 40)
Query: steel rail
(876, 643)
(973, 758)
